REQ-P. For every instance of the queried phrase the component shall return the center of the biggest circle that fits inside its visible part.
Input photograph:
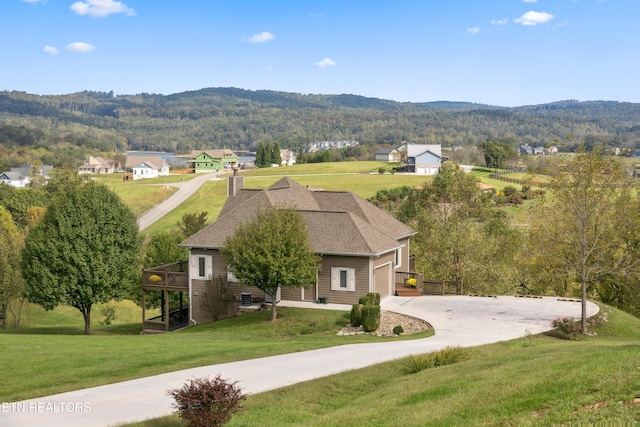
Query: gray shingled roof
(337, 222)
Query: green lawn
(533, 381)
(48, 353)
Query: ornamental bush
(370, 317)
(205, 402)
(356, 315)
(372, 298)
(567, 328)
(446, 356)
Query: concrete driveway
(458, 320)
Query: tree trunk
(583, 303)
(273, 305)
(17, 317)
(4, 316)
(86, 313)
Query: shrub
(381, 171)
(500, 200)
(446, 356)
(514, 199)
(398, 329)
(412, 282)
(509, 190)
(356, 315)
(372, 298)
(370, 317)
(108, 314)
(207, 402)
(567, 328)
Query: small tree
(11, 281)
(205, 402)
(191, 223)
(272, 251)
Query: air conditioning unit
(267, 298)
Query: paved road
(185, 190)
(457, 320)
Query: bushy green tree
(11, 281)
(272, 251)
(84, 251)
(460, 235)
(587, 234)
(495, 153)
(191, 223)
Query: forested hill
(240, 119)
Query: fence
(442, 287)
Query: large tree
(495, 153)
(587, 234)
(272, 251)
(84, 251)
(460, 235)
(11, 281)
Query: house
(212, 160)
(526, 149)
(288, 158)
(424, 158)
(21, 177)
(140, 167)
(98, 165)
(362, 248)
(391, 154)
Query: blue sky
(500, 52)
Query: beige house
(98, 165)
(363, 248)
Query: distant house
(21, 177)
(98, 165)
(391, 154)
(212, 160)
(288, 158)
(526, 149)
(363, 249)
(551, 150)
(141, 167)
(424, 158)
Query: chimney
(235, 184)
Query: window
(201, 267)
(398, 260)
(343, 279)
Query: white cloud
(80, 47)
(49, 50)
(326, 62)
(262, 37)
(529, 1)
(500, 21)
(34, 1)
(474, 30)
(532, 18)
(100, 8)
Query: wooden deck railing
(442, 287)
(173, 276)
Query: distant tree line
(63, 129)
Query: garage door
(382, 279)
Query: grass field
(60, 358)
(532, 381)
(362, 178)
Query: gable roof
(337, 222)
(219, 153)
(154, 162)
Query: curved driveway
(185, 190)
(457, 320)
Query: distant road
(185, 190)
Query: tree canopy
(11, 281)
(272, 251)
(460, 235)
(588, 233)
(84, 251)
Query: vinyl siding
(361, 267)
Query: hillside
(91, 122)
